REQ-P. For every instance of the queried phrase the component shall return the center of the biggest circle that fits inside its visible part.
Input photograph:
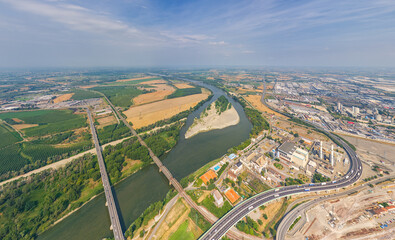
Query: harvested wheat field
(88, 86)
(255, 100)
(154, 82)
(183, 85)
(105, 121)
(23, 126)
(147, 114)
(63, 98)
(17, 120)
(161, 91)
(134, 79)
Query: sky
(139, 33)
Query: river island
(218, 115)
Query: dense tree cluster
(258, 122)
(293, 181)
(222, 104)
(317, 178)
(250, 227)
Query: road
(220, 228)
(112, 209)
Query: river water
(147, 186)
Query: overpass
(221, 227)
(112, 209)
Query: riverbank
(210, 119)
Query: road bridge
(112, 209)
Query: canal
(147, 186)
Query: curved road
(223, 225)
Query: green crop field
(183, 233)
(185, 92)
(8, 136)
(45, 153)
(80, 94)
(120, 95)
(11, 159)
(50, 121)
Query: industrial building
(288, 151)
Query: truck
(324, 183)
(250, 208)
(307, 189)
(276, 195)
(277, 189)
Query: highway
(220, 228)
(112, 209)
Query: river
(147, 186)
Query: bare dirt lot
(63, 98)
(147, 114)
(348, 218)
(255, 101)
(161, 91)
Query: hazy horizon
(143, 33)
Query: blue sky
(88, 33)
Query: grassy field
(183, 233)
(8, 136)
(185, 92)
(120, 96)
(83, 94)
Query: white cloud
(217, 43)
(73, 16)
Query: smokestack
(332, 157)
(321, 155)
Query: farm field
(49, 121)
(52, 135)
(183, 85)
(185, 92)
(8, 136)
(137, 78)
(120, 96)
(105, 121)
(161, 91)
(147, 114)
(79, 94)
